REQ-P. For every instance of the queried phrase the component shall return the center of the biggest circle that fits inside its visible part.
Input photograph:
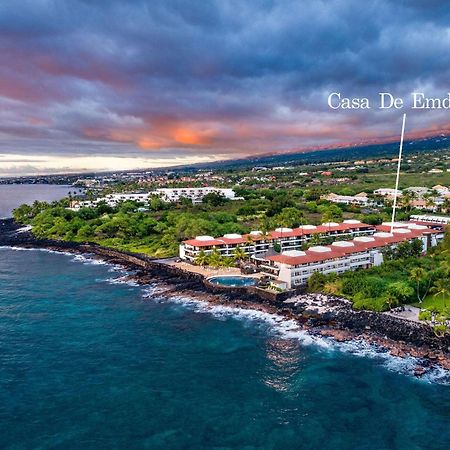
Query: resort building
(294, 267)
(431, 220)
(194, 194)
(169, 195)
(360, 199)
(111, 200)
(287, 238)
(387, 192)
(419, 191)
(441, 190)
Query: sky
(106, 85)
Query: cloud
(202, 79)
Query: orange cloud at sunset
(189, 137)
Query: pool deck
(210, 272)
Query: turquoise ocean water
(89, 362)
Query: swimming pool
(233, 281)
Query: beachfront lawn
(431, 302)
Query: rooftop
(347, 225)
(341, 248)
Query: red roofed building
(257, 242)
(294, 267)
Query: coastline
(317, 314)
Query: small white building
(360, 199)
(441, 190)
(387, 192)
(420, 191)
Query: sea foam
(290, 330)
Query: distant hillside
(341, 154)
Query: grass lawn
(434, 302)
(372, 181)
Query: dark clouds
(210, 78)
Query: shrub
(333, 287)
(361, 301)
(352, 284)
(316, 282)
(425, 315)
(400, 291)
(440, 330)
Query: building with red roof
(257, 242)
(294, 267)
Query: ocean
(90, 361)
(13, 195)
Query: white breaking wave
(285, 328)
(89, 260)
(289, 329)
(121, 280)
(45, 250)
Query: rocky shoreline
(320, 315)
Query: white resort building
(111, 200)
(360, 199)
(194, 194)
(170, 195)
(428, 219)
(388, 192)
(288, 238)
(293, 268)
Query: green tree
(315, 239)
(289, 217)
(390, 299)
(417, 275)
(401, 291)
(239, 253)
(85, 232)
(155, 203)
(441, 288)
(215, 259)
(214, 199)
(316, 282)
(201, 259)
(23, 213)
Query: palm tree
(316, 239)
(249, 241)
(429, 202)
(406, 199)
(239, 253)
(327, 217)
(215, 258)
(390, 299)
(265, 225)
(417, 274)
(201, 259)
(441, 287)
(446, 205)
(228, 262)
